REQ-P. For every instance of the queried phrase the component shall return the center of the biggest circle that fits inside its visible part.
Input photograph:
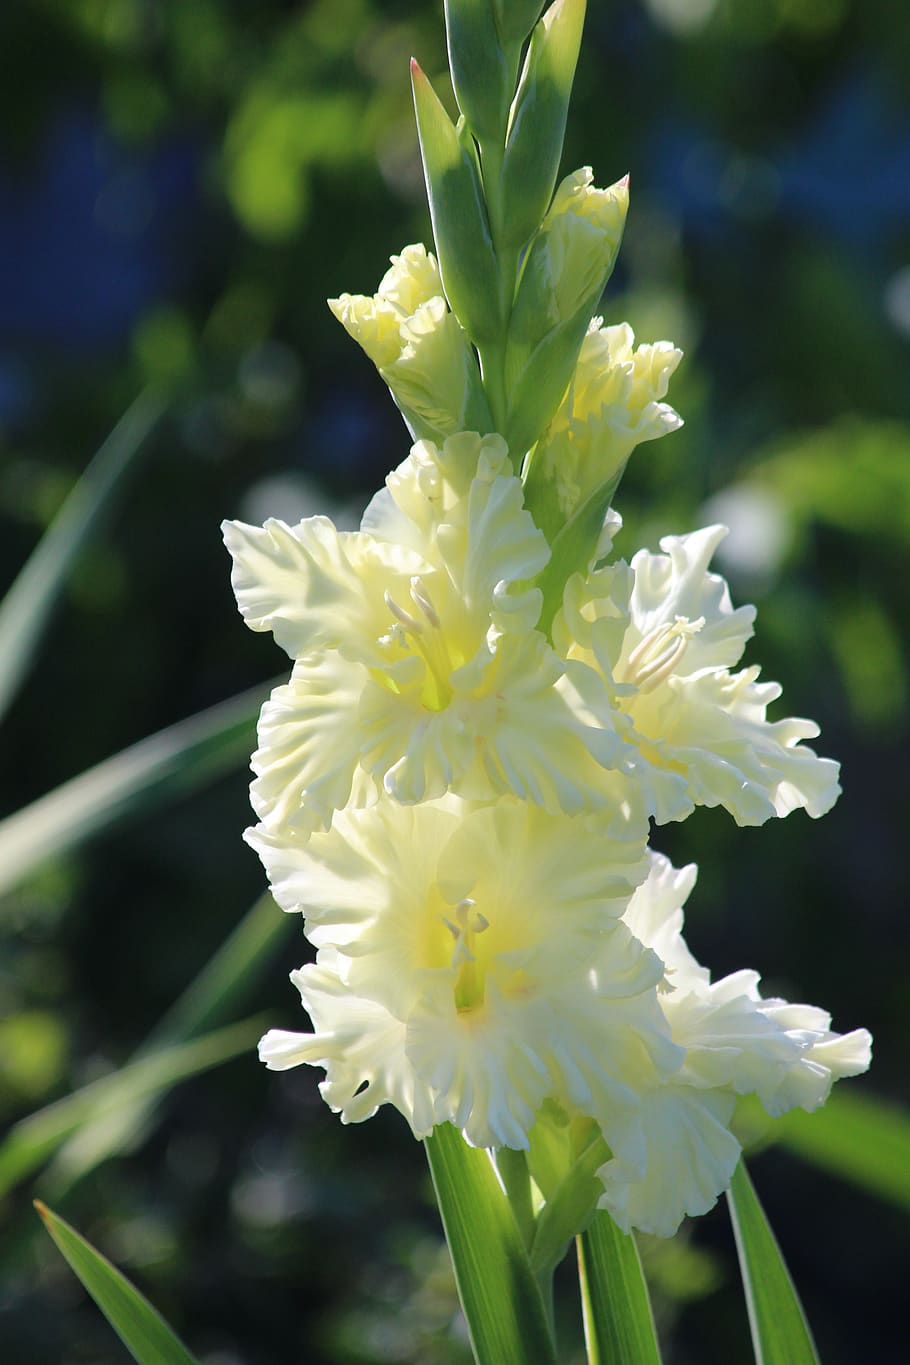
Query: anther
(409, 622)
(421, 598)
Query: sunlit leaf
(29, 1143)
(780, 1333)
(27, 606)
(499, 1295)
(619, 1325)
(858, 1137)
(140, 1327)
(171, 763)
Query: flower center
(423, 633)
(658, 653)
(467, 924)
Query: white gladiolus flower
(417, 665)
(471, 964)
(664, 635)
(676, 1154)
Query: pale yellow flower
(417, 665)
(471, 963)
(675, 1154)
(664, 636)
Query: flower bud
(568, 265)
(458, 211)
(418, 347)
(538, 119)
(611, 406)
(481, 75)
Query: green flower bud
(464, 246)
(482, 76)
(567, 268)
(538, 119)
(515, 18)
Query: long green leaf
(500, 1298)
(231, 974)
(780, 1333)
(619, 1325)
(29, 1143)
(168, 764)
(27, 606)
(140, 1327)
(858, 1137)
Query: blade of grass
(501, 1301)
(230, 974)
(32, 1140)
(27, 606)
(171, 763)
(140, 1327)
(858, 1137)
(619, 1324)
(780, 1333)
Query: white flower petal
(671, 1158)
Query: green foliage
(140, 1327)
(619, 1325)
(502, 1303)
(780, 1333)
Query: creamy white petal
(672, 1157)
(314, 587)
(308, 750)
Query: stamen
(658, 653)
(422, 599)
(409, 622)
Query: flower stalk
(487, 710)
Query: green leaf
(619, 1324)
(232, 972)
(140, 1327)
(572, 549)
(780, 1333)
(858, 1137)
(171, 763)
(27, 606)
(29, 1143)
(464, 246)
(538, 120)
(501, 1301)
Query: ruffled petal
(308, 750)
(671, 1158)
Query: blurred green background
(182, 184)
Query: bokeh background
(181, 187)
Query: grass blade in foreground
(29, 1143)
(780, 1333)
(171, 763)
(28, 604)
(619, 1325)
(498, 1293)
(140, 1326)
